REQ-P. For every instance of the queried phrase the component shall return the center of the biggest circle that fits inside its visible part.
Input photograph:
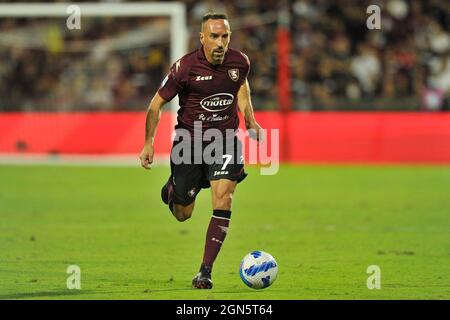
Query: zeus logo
(261, 268)
(217, 102)
(202, 78)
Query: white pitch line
(78, 160)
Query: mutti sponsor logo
(217, 102)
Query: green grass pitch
(324, 225)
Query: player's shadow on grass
(192, 289)
(170, 289)
(31, 295)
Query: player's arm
(151, 123)
(246, 108)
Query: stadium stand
(117, 64)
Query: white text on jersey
(202, 78)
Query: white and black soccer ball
(258, 269)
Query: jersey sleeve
(174, 82)
(246, 67)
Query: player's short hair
(212, 16)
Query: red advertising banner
(314, 137)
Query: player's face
(215, 37)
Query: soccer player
(211, 83)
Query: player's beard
(218, 55)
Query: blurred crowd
(103, 66)
(337, 63)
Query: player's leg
(183, 185)
(182, 213)
(181, 189)
(223, 177)
(222, 191)
(222, 195)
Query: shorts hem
(238, 179)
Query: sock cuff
(224, 214)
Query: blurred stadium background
(64, 91)
(338, 92)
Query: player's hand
(256, 132)
(146, 156)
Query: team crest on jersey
(234, 74)
(191, 193)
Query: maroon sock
(217, 230)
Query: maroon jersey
(207, 92)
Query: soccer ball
(258, 270)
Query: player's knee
(225, 194)
(181, 218)
(181, 213)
